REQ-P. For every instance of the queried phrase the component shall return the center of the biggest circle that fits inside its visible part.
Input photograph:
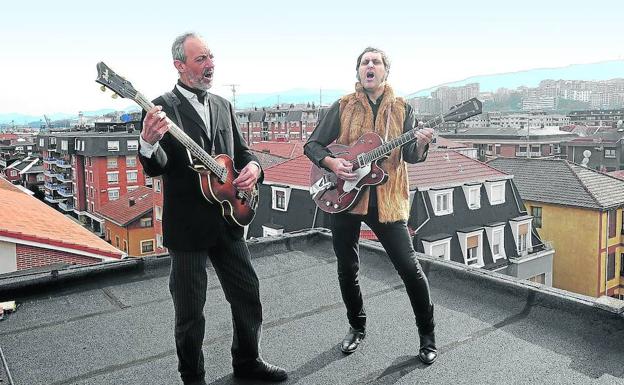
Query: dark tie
(201, 94)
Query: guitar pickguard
(361, 173)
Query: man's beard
(200, 82)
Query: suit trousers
(188, 282)
(396, 240)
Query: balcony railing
(63, 163)
(65, 192)
(63, 177)
(65, 206)
(49, 160)
(51, 186)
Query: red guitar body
(333, 194)
(237, 207)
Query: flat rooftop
(113, 324)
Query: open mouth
(208, 74)
(370, 75)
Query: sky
(49, 49)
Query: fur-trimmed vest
(356, 119)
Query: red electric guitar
(215, 174)
(333, 195)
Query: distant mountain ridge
(603, 70)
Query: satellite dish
(586, 153)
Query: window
(612, 215)
(131, 161)
(146, 222)
(133, 145)
(132, 176)
(522, 243)
(537, 216)
(132, 188)
(113, 194)
(148, 181)
(472, 258)
(609, 153)
(159, 241)
(157, 185)
(473, 196)
(442, 201)
(496, 192)
(13, 173)
(472, 247)
(125, 245)
(497, 148)
(280, 197)
(438, 248)
(535, 149)
(611, 266)
(147, 246)
(540, 278)
(64, 145)
(521, 229)
(41, 142)
(112, 177)
(496, 237)
(91, 192)
(158, 213)
(272, 230)
(117, 241)
(91, 176)
(622, 264)
(113, 145)
(111, 162)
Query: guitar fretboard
(186, 140)
(384, 149)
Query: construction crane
(48, 121)
(233, 93)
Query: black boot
(428, 351)
(352, 340)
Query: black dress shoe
(428, 351)
(352, 340)
(261, 370)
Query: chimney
(131, 202)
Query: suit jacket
(190, 222)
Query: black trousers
(396, 240)
(188, 282)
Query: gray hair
(384, 58)
(177, 49)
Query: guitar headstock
(109, 79)
(464, 110)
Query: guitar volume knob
(328, 203)
(336, 205)
(373, 175)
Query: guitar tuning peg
(103, 88)
(114, 96)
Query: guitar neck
(183, 138)
(399, 141)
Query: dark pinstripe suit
(194, 230)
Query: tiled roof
(287, 150)
(267, 160)
(295, 172)
(618, 174)
(447, 168)
(24, 217)
(441, 142)
(561, 182)
(441, 168)
(122, 212)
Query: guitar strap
(173, 101)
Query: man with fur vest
(384, 208)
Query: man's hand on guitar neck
(155, 125)
(341, 167)
(424, 136)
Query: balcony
(65, 192)
(51, 186)
(49, 160)
(63, 177)
(54, 199)
(66, 206)
(63, 163)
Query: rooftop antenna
(233, 88)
